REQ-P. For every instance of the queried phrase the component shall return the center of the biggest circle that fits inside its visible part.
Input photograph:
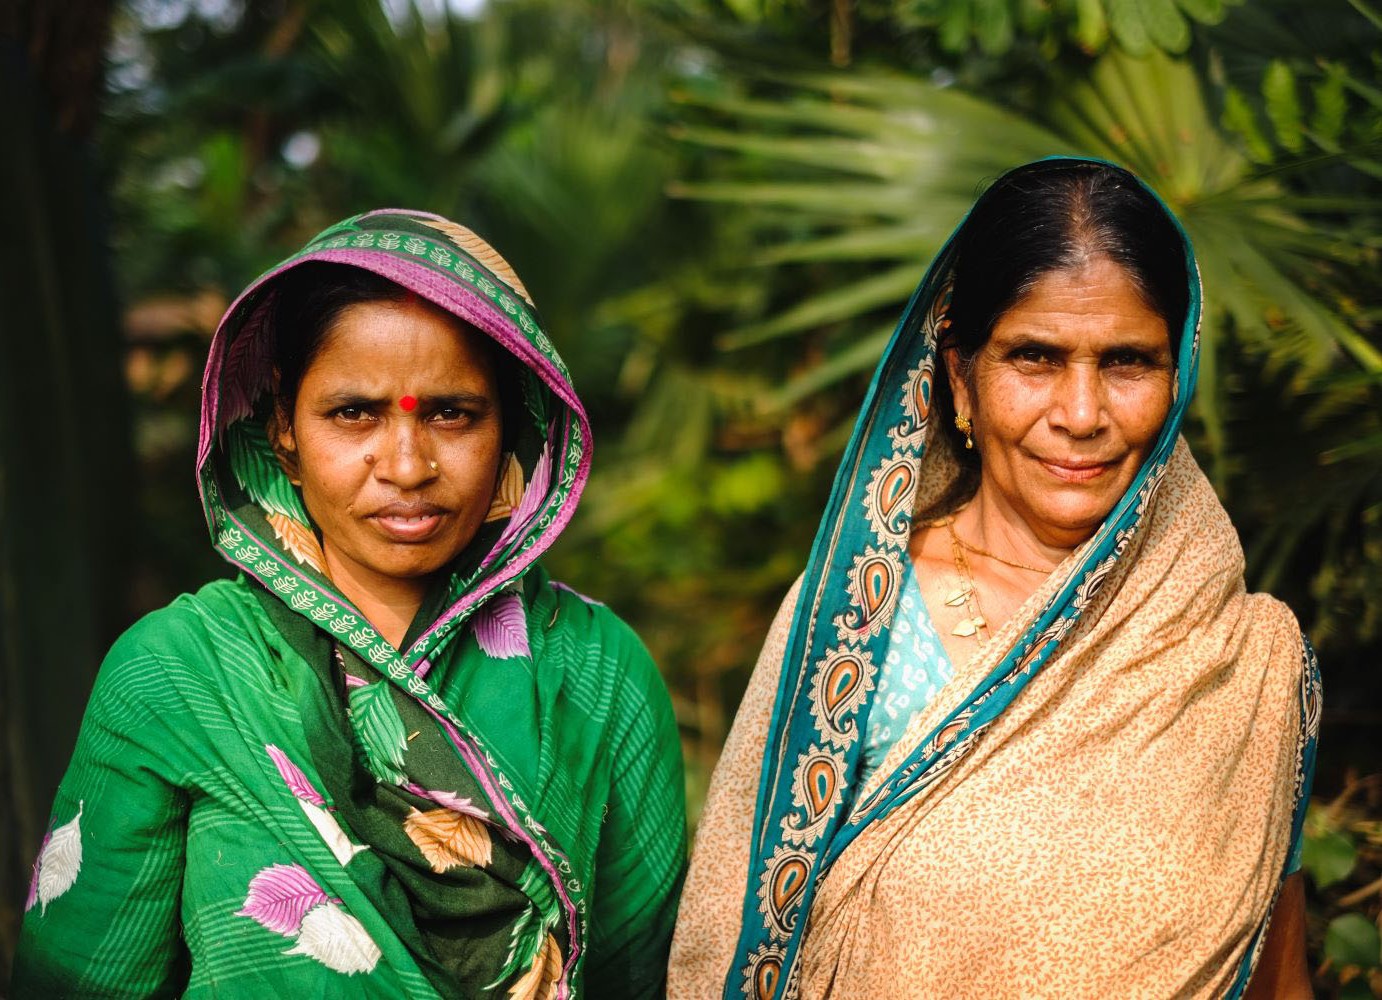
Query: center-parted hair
(1049, 216)
(1057, 215)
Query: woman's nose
(406, 461)
(1078, 403)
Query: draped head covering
(278, 801)
(1135, 737)
(258, 523)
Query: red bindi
(409, 403)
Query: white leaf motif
(331, 832)
(61, 861)
(337, 940)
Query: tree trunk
(66, 468)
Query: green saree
(267, 798)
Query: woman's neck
(990, 523)
(389, 603)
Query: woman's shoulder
(595, 643)
(587, 621)
(190, 624)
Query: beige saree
(1120, 831)
(1100, 803)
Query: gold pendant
(957, 597)
(966, 627)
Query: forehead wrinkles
(405, 346)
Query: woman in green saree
(392, 757)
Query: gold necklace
(965, 595)
(997, 558)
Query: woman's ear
(281, 437)
(955, 371)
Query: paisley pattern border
(804, 817)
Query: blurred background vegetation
(720, 207)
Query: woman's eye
(1030, 355)
(1127, 359)
(351, 414)
(450, 414)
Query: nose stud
(369, 459)
(432, 465)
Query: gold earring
(966, 427)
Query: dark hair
(1054, 215)
(310, 298)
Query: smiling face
(1067, 398)
(389, 519)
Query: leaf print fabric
(314, 807)
(539, 982)
(530, 933)
(256, 468)
(298, 539)
(287, 900)
(534, 495)
(294, 777)
(379, 730)
(510, 492)
(450, 800)
(279, 898)
(59, 863)
(501, 627)
(448, 839)
(341, 846)
(336, 940)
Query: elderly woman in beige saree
(1019, 730)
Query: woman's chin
(410, 562)
(1068, 521)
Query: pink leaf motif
(33, 880)
(558, 585)
(298, 782)
(501, 627)
(280, 896)
(247, 370)
(351, 681)
(533, 496)
(452, 801)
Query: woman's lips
(409, 522)
(1080, 472)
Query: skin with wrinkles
(389, 524)
(1067, 398)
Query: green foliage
(1343, 858)
(1283, 105)
(994, 27)
(1328, 854)
(1353, 940)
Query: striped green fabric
(180, 807)
(267, 798)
